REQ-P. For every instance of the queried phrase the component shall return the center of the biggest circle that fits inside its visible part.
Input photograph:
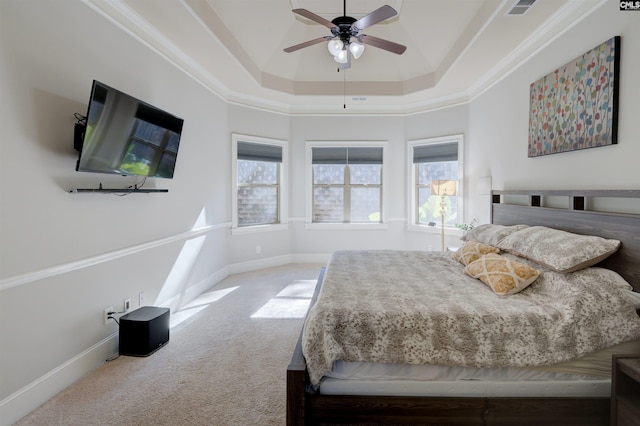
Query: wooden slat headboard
(577, 218)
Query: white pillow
(490, 233)
(559, 250)
(634, 298)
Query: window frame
(282, 193)
(413, 187)
(160, 150)
(309, 185)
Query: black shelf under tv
(115, 191)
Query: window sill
(436, 229)
(343, 226)
(259, 228)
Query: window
(149, 141)
(436, 176)
(346, 184)
(258, 181)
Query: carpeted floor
(225, 363)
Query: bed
(316, 396)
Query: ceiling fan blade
(314, 17)
(382, 44)
(307, 44)
(378, 15)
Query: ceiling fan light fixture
(356, 49)
(342, 57)
(335, 46)
(345, 28)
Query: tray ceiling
(455, 48)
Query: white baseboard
(22, 402)
(270, 262)
(254, 265)
(310, 258)
(27, 399)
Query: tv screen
(126, 136)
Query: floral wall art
(575, 107)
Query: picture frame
(576, 106)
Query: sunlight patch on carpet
(283, 308)
(196, 305)
(209, 297)
(299, 288)
(291, 302)
(183, 315)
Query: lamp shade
(342, 57)
(443, 187)
(335, 46)
(356, 49)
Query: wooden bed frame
(307, 408)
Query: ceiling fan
(346, 40)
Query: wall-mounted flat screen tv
(126, 136)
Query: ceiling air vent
(521, 7)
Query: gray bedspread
(419, 308)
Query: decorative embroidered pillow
(491, 234)
(559, 250)
(504, 276)
(473, 250)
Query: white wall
(64, 257)
(344, 129)
(274, 246)
(396, 131)
(499, 118)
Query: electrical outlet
(258, 249)
(141, 298)
(106, 314)
(126, 305)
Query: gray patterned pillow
(491, 234)
(559, 250)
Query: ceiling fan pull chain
(344, 89)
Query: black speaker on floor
(144, 331)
